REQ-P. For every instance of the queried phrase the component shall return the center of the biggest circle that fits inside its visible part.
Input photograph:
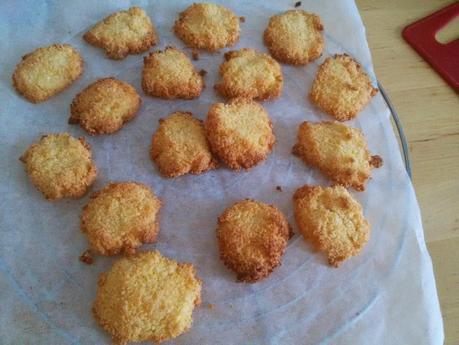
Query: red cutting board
(444, 58)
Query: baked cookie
(147, 297)
(123, 33)
(60, 166)
(47, 71)
(295, 37)
(339, 151)
(252, 238)
(240, 133)
(104, 106)
(179, 146)
(341, 88)
(170, 74)
(207, 26)
(332, 220)
(121, 217)
(250, 74)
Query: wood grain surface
(429, 111)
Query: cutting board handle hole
(449, 32)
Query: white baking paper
(386, 295)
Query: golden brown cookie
(60, 166)
(250, 74)
(179, 146)
(252, 238)
(295, 37)
(332, 220)
(47, 71)
(123, 33)
(239, 133)
(341, 88)
(207, 26)
(339, 151)
(170, 74)
(121, 217)
(147, 297)
(104, 106)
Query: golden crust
(47, 71)
(332, 220)
(147, 297)
(341, 88)
(123, 33)
(104, 106)
(339, 151)
(239, 133)
(207, 26)
(120, 218)
(170, 74)
(295, 37)
(250, 74)
(252, 238)
(179, 146)
(60, 166)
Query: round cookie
(179, 146)
(47, 71)
(339, 151)
(123, 33)
(121, 217)
(332, 220)
(239, 133)
(169, 74)
(341, 88)
(207, 26)
(250, 74)
(252, 238)
(294, 37)
(147, 297)
(104, 106)
(60, 166)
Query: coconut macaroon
(341, 88)
(207, 26)
(47, 71)
(239, 132)
(121, 217)
(179, 146)
(104, 106)
(332, 220)
(339, 151)
(170, 74)
(252, 238)
(147, 297)
(123, 33)
(60, 166)
(250, 74)
(295, 37)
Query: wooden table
(429, 111)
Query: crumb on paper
(376, 161)
(195, 55)
(210, 306)
(87, 257)
(298, 4)
(279, 188)
(242, 19)
(202, 72)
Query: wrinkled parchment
(386, 295)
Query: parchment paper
(386, 295)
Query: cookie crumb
(376, 161)
(87, 257)
(298, 4)
(202, 72)
(279, 188)
(195, 55)
(211, 306)
(242, 19)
